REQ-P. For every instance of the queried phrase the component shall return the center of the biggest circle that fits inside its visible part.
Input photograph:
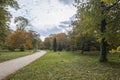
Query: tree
(60, 47)
(36, 41)
(21, 22)
(29, 40)
(41, 45)
(22, 40)
(61, 40)
(54, 45)
(5, 17)
(47, 43)
(100, 16)
(103, 28)
(71, 39)
(17, 40)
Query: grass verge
(8, 55)
(70, 66)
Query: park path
(11, 66)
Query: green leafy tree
(47, 43)
(100, 17)
(36, 41)
(5, 17)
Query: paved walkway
(11, 66)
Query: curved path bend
(11, 66)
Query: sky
(46, 16)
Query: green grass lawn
(70, 66)
(7, 55)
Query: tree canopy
(5, 17)
(21, 22)
(100, 18)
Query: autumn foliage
(20, 39)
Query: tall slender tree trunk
(54, 45)
(103, 45)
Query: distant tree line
(70, 42)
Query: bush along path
(11, 66)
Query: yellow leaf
(109, 2)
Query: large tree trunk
(103, 46)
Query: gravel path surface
(11, 66)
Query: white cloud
(44, 14)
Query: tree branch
(117, 1)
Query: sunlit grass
(8, 55)
(70, 66)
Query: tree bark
(103, 45)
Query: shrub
(118, 49)
(22, 48)
(11, 49)
(113, 51)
